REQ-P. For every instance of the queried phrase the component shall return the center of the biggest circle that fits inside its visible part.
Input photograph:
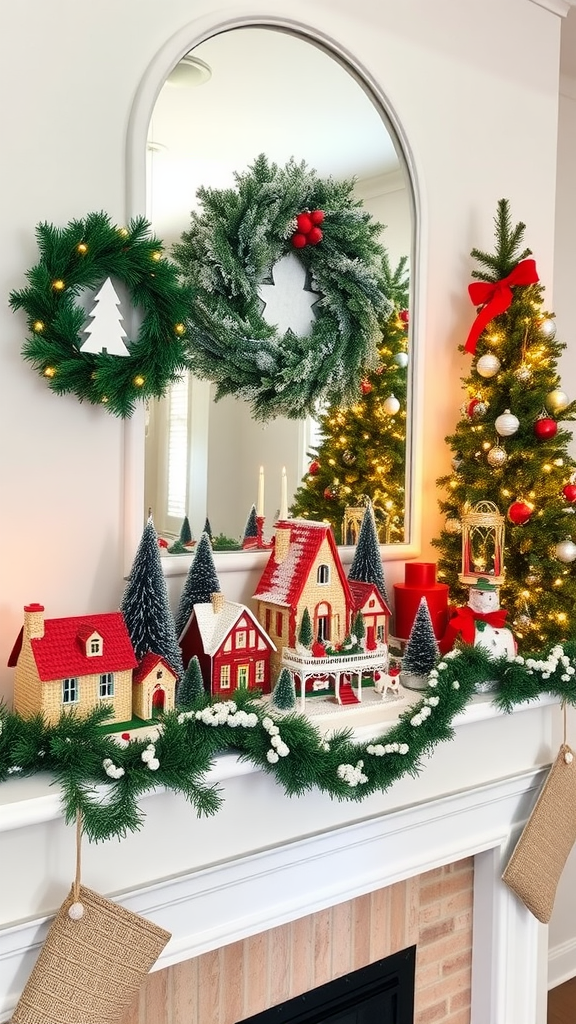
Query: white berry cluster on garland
(278, 748)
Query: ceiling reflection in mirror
(238, 94)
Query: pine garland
(104, 775)
(231, 247)
(82, 256)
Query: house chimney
(217, 600)
(34, 621)
(282, 541)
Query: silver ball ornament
(401, 359)
(522, 621)
(391, 405)
(547, 329)
(565, 551)
(497, 457)
(488, 365)
(507, 424)
(453, 526)
(523, 374)
(556, 401)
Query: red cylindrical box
(420, 581)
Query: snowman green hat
(483, 583)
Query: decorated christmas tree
(201, 582)
(508, 446)
(145, 605)
(362, 452)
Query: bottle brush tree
(284, 693)
(191, 686)
(421, 651)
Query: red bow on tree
(463, 624)
(495, 297)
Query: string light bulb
(50, 371)
(139, 381)
(58, 285)
(38, 326)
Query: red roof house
(153, 687)
(368, 600)
(304, 571)
(72, 663)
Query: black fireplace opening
(382, 993)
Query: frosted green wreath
(230, 250)
(82, 256)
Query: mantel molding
(559, 7)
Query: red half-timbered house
(231, 645)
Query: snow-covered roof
(282, 582)
(214, 626)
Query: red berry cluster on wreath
(308, 232)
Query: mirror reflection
(244, 92)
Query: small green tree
(284, 693)
(359, 628)
(191, 685)
(367, 562)
(422, 648)
(185, 531)
(207, 528)
(305, 633)
(251, 528)
(201, 582)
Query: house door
(242, 677)
(158, 698)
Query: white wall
(478, 109)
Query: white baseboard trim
(561, 963)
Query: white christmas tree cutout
(288, 302)
(105, 333)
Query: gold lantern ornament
(483, 527)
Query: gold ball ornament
(82, 248)
(488, 365)
(506, 424)
(497, 457)
(547, 329)
(565, 551)
(179, 329)
(556, 401)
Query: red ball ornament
(519, 513)
(314, 236)
(298, 240)
(317, 216)
(304, 223)
(365, 387)
(569, 492)
(314, 467)
(545, 428)
(330, 493)
(404, 316)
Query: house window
(371, 602)
(225, 677)
(259, 677)
(95, 645)
(241, 638)
(323, 622)
(107, 684)
(268, 618)
(380, 633)
(323, 574)
(70, 690)
(159, 674)
(279, 623)
(252, 638)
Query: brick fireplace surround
(275, 895)
(432, 911)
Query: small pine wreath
(86, 256)
(234, 243)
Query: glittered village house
(81, 661)
(153, 687)
(304, 571)
(368, 600)
(72, 663)
(232, 647)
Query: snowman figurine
(481, 622)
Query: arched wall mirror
(242, 92)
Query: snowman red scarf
(465, 621)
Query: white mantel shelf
(265, 859)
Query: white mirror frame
(171, 52)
